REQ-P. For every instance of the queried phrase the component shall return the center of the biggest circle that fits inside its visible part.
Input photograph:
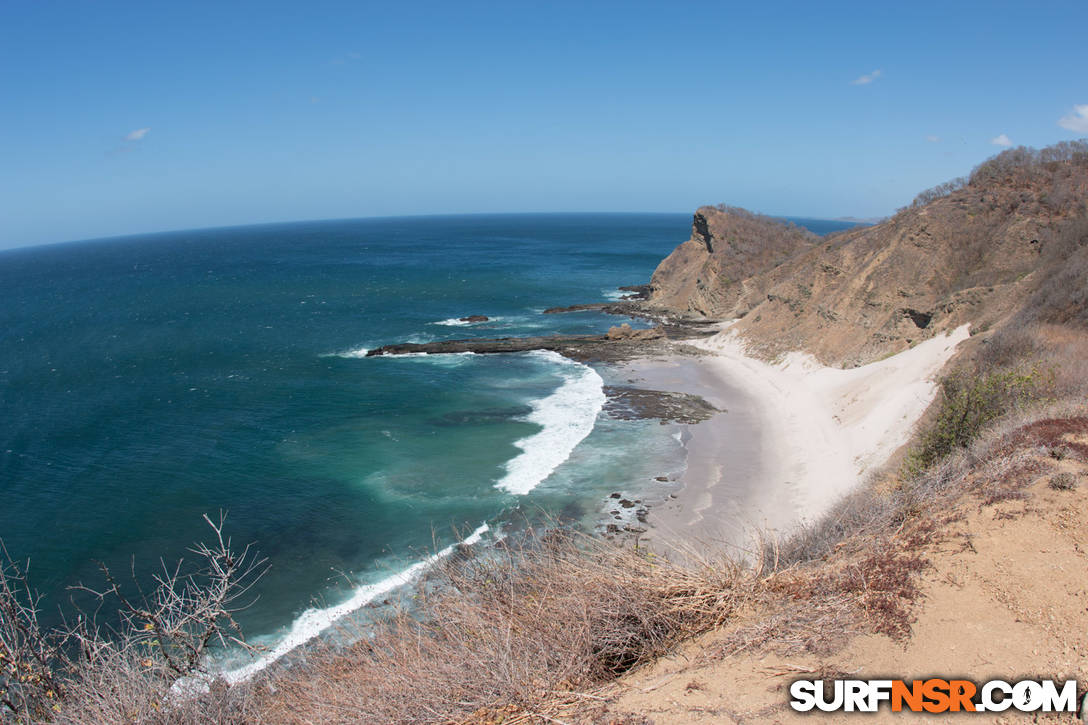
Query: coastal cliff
(973, 250)
(705, 275)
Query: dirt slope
(1003, 593)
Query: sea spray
(567, 417)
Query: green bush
(969, 403)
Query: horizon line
(245, 225)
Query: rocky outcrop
(705, 274)
(636, 291)
(613, 347)
(626, 332)
(971, 253)
(627, 403)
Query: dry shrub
(1059, 453)
(1023, 164)
(881, 505)
(1060, 297)
(1058, 349)
(1065, 481)
(32, 663)
(122, 685)
(886, 585)
(86, 673)
(559, 612)
(879, 584)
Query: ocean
(148, 380)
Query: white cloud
(866, 79)
(933, 139)
(137, 135)
(1001, 140)
(1077, 120)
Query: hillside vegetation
(1010, 239)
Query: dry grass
(512, 631)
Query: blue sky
(120, 118)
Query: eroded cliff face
(705, 274)
(974, 255)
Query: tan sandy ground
(1006, 597)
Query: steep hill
(972, 250)
(703, 275)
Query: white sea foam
(614, 294)
(361, 352)
(313, 622)
(442, 359)
(431, 356)
(458, 322)
(567, 415)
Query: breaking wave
(567, 416)
(314, 621)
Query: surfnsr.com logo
(934, 695)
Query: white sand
(829, 426)
(820, 430)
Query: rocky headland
(974, 250)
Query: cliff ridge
(972, 250)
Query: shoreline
(722, 480)
(767, 447)
(791, 439)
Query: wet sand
(728, 488)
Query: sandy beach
(791, 438)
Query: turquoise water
(145, 381)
